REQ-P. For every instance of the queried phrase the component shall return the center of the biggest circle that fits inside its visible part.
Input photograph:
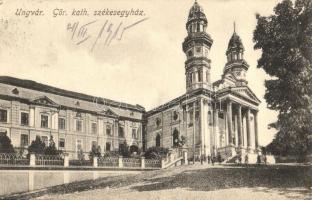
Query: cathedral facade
(218, 118)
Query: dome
(196, 12)
(235, 43)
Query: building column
(202, 128)
(256, 129)
(216, 128)
(235, 130)
(248, 129)
(194, 129)
(229, 121)
(239, 126)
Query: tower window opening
(190, 53)
(200, 76)
(207, 76)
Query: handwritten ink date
(107, 32)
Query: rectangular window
(207, 76)
(24, 140)
(62, 143)
(62, 123)
(44, 121)
(134, 135)
(121, 147)
(3, 115)
(78, 145)
(24, 119)
(79, 125)
(108, 146)
(108, 130)
(45, 140)
(121, 132)
(191, 116)
(93, 128)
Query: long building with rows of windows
(76, 121)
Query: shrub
(51, 149)
(124, 150)
(5, 144)
(95, 151)
(37, 146)
(156, 152)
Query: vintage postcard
(140, 99)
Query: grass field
(195, 182)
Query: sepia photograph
(156, 100)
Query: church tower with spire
(197, 46)
(236, 67)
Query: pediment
(44, 100)
(247, 93)
(108, 112)
(231, 77)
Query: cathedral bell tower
(197, 46)
(236, 66)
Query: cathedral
(213, 118)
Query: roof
(31, 92)
(196, 12)
(29, 84)
(235, 43)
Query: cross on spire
(234, 27)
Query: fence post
(95, 161)
(185, 158)
(162, 161)
(142, 162)
(32, 160)
(66, 160)
(120, 164)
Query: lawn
(194, 182)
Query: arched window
(175, 138)
(158, 140)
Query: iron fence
(108, 162)
(52, 160)
(152, 163)
(80, 163)
(131, 162)
(13, 159)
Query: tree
(124, 150)
(5, 144)
(51, 149)
(95, 151)
(285, 39)
(37, 146)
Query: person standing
(246, 159)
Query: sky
(146, 66)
